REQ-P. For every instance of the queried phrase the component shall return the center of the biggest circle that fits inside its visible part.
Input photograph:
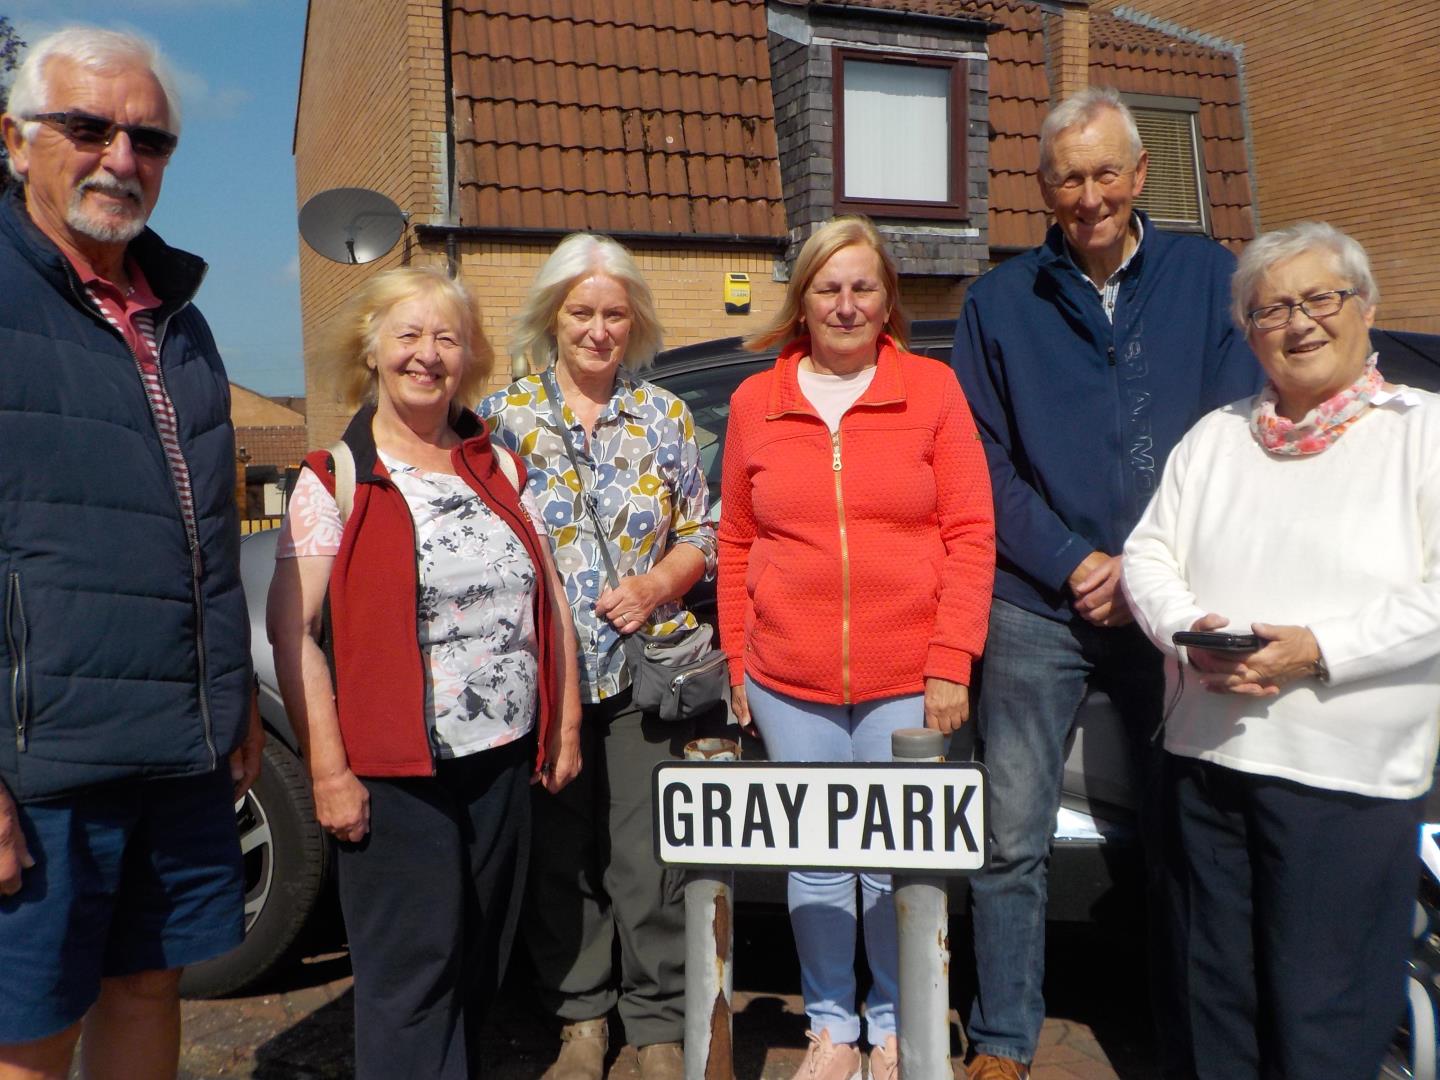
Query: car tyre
(1415, 1050)
(287, 867)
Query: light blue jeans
(822, 902)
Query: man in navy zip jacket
(1084, 360)
(127, 706)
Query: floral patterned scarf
(1323, 424)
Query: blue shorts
(142, 875)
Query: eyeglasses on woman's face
(1319, 305)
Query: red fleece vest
(379, 672)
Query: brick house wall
(266, 432)
(1342, 124)
(282, 447)
(371, 114)
(700, 134)
(687, 287)
(802, 80)
(686, 283)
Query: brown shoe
(990, 1067)
(582, 1051)
(662, 1061)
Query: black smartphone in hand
(1217, 640)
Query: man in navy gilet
(126, 723)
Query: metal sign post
(922, 818)
(709, 952)
(923, 918)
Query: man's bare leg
(133, 1031)
(43, 1059)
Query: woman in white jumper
(1309, 516)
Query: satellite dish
(351, 225)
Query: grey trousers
(594, 879)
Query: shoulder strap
(344, 478)
(506, 461)
(557, 408)
(344, 461)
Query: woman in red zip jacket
(857, 551)
(451, 681)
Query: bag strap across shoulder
(557, 407)
(506, 461)
(344, 462)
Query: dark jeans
(431, 897)
(594, 879)
(1299, 925)
(1036, 673)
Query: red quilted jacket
(854, 566)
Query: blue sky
(229, 192)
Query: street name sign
(901, 817)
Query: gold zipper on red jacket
(844, 573)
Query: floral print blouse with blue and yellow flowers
(643, 465)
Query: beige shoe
(582, 1051)
(885, 1060)
(662, 1061)
(827, 1061)
(990, 1067)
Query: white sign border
(972, 767)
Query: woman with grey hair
(1305, 523)
(587, 326)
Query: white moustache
(128, 188)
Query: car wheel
(1415, 1049)
(1412, 1056)
(287, 865)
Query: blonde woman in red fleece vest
(857, 550)
(451, 681)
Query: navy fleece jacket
(1078, 415)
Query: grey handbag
(677, 675)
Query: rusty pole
(922, 915)
(709, 952)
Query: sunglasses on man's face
(97, 132)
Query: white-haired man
(1084, 361)
(126, 658)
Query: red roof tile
(1019, 96)
(664, 96)
(948, 9)
(669, 101)
(1129, 56)
(1140, 59)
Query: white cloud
(199, 99)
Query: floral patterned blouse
(643, 465)
(474, 618)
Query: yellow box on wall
(737, 294)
